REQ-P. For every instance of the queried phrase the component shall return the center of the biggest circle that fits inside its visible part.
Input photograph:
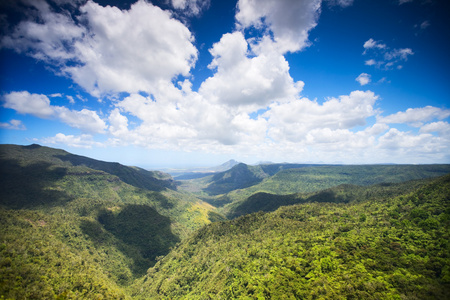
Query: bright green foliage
(42, 259)
(391, 248)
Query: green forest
(78, 228)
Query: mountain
(393, 247)
(202, 172)
(74, 227)
(225, 166)
(238, 177)
(154, 181)
(312, 178)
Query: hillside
(344, 193)
(239, 176)
(78, 228)
(309, 178)
(69, 227)
(385, 248)
(150, 180)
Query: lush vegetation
(344, 193)
(77, 228)
(383, 248)
(72, 231)
(315, 178)
(224, 189)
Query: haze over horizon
(183, 83)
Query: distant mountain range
(186, 174)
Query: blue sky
(172, 83)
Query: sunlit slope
(385, 248)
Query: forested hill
(77, 228)
(35, 154)
(388, 247)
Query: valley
(75, 227)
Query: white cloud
(388, 58)
(242, 80)
(13, 125)
(290, 21)
(71, 99)
(39, 105)
(80, 141)
(401, 54)
(342, 3)
(424, 25)
(412, 145)
(47, 39)
(371, 44)
(370, 62)
(191, 7)
(26, 103)
(117, 51)
(118, 124)
(85, 120)
(293, 121)
(56, 95)
(363, 78)
(443, 128)
(416, 116)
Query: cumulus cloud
(289, 21)
(242, 80)
(39, 105)
(142, 54)
(363, 78)
(25, 103)
(250, 104)
(443, 128)
(294, 120)
(407, 143)
(416, 116)
(81, 141)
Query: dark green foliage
(238, 177)
(155, 181)
(315, 178)
(215, 217)
(341, 194)
(142, 228)
(354, 250)
(52, 241)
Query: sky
(183, 83)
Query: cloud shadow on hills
(143, 233)
(29, 186)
